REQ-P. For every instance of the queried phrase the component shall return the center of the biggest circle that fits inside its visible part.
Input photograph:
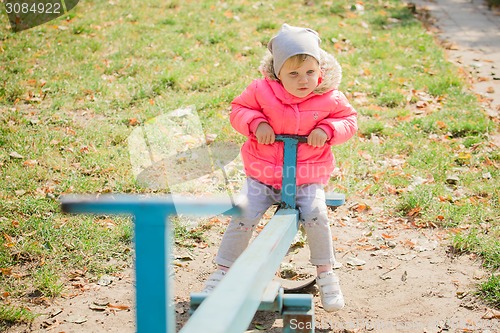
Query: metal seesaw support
(154, 295)
(247, 286)
(232, 305)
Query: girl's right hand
(265, 134)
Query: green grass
(490, 290)
(12, 315)
(484, 241)
(69, 89)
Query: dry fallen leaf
(464, 158)
(30, 163)
(414, 212)
(365, 155)
(353, 261)
(452, 179)
(16, 155)
(210, 138)
(361, 207)
(491, 314)
(441, 124)
(119, 306)
(20, 193)
(105, 280)
(9, 241)
(409, 243)
(133, 122)
(386, 236)
(421, 104)
(450, 45)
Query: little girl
(298, 95)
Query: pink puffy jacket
(266, 100)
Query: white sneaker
(213, 280)
(329, 288)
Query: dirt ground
(395, 276)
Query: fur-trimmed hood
(331, 72)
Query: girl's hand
(317, 138)
(265, 134)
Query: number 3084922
(34, 8)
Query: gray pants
(256, 198)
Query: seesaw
(248, 287)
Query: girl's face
(300, 81)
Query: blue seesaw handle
(298, 138)
(289, 175)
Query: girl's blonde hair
(296, 61)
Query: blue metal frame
(154, 293)
(246, 288)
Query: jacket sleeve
(246, 113)
(342, 123)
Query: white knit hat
(291, 41)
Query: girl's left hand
(317, 138)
